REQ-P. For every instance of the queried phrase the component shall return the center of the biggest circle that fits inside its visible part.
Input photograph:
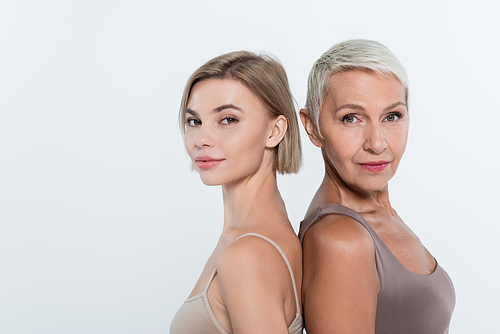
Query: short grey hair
(354, 54)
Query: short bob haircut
(265, 77)
(354, 54)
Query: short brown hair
(266, 78)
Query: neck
(334, 190)
(246, 198)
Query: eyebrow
(358, 107)
(216, 110)
(227, 106)
(191, 112)
(394, 105)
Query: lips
(374, 167)
(205, 162)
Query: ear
(310, 128)
(278, 130)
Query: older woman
(240, 128)
(365, 271)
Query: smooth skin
(252, 290)
(364, 121)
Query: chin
(210, 182)
(374, 187)
(369, 186)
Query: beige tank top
(196, 316)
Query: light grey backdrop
(103, 228)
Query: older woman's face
(364, 123)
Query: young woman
(240, 128)
(365, 271)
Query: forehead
(209, 95)
(364, 86)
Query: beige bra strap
(284, 258)
(210, 281)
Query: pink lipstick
(374, 167)
(205, 162)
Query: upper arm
(340, 282)
(252, 278)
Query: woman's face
(227, 131)
(364, 122)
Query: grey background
(104, 229)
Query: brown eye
(350, 119)
(392, 117)
(193, 122)
(229, 120)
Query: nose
(204, 138)
(375, 141)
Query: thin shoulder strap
(286, 261)
(210, 281)
(328, 209)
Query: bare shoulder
(339, 234)
(340, 284)
(250, 254)
(254, 285)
